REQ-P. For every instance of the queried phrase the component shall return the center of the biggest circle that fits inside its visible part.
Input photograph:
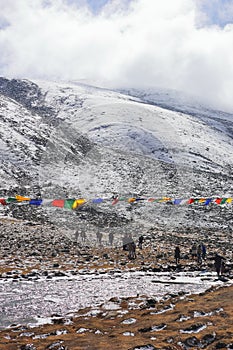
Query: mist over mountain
(66, 140)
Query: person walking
(140, 241)
(110, 238)
(218, 263)
(193, 251)
(199, 254)
(177, 255)
(203, 248)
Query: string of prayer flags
(74, 203)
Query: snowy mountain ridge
(71, 139)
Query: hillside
(64, 140)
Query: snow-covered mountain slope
(71, 139)
(185, 103)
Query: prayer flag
(229, 200)
(208, 201)
(11, 199)
(69, 203)
(218, 200)
(35, 201)
(223, 201)
(115, 200)
(177, 201)
(190, 201)
(97, 200)
(201, 200)
(131, 200)
(139, 199)
(58, 203)
(21, 198)
(78, 203)
(3, 201)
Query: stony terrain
(30, 251)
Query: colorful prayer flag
(208, 201)
(131, 200)
(58, 203)
(3, 201)
(218, 200)
(78, 203)
(97, 200)
(21, 198)
(35, 201)
(115, 200)
(177, 201)
(69, 203)
(190, 201)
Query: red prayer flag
(190, 201)
(3, 201)
(218, 200)
(58, 203)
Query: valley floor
(178, 320)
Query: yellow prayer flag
(202, 200)
(78, 202)
(131, 200)
(21, 198)
(229, 200)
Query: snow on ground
(26, 300)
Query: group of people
(129, 245)
(198, 252)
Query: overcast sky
(185, 45)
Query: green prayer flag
(11, 199)
(69, 203)
(223, 200)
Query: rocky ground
(30, 251)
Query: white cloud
(148, 43)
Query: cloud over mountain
(144, 43)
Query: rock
(193, 328)
(146, 329)
(220, 345)
(151, 302)
(56, 346)
(208, 339)
(191, 342)
(59, 274)
(159, 327)
(144, 347)
(28, 347)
